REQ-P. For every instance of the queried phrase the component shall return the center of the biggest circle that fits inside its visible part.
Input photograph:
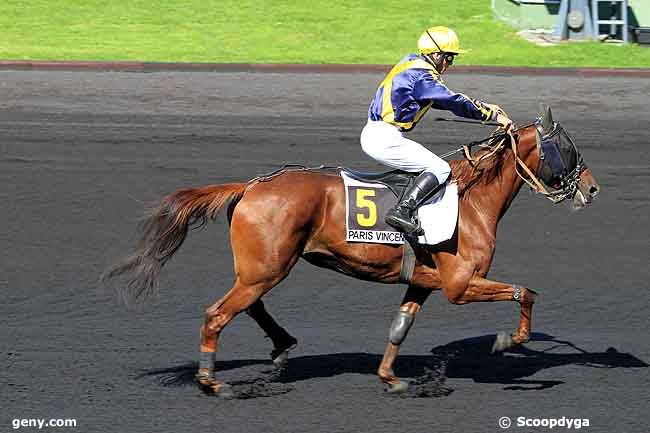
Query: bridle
(550, 157)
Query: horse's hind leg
(261, 261)
(217, 317)
(283, 342)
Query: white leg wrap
(206, 360)
(400, 327)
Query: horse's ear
(542, 112)
(547, 119)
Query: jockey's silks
(411, 88)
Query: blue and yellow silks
(412, 87)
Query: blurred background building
(605, 20)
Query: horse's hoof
(218, 389)
(211, 386)
(399, 387)
(204, 378)
(503, 342)
(280, 356)
(223, 390)
(519, 339)
(280, 362)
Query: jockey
(408, 91)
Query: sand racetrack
(82, 155)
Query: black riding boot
(401, 216)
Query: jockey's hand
(504, 121)
(495, 108)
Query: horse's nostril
(594, 190)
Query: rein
(534, 183)
(466, 149)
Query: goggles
(449, 58)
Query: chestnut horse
(293, 214)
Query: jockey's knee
(440, 168)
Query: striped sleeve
(430, 89)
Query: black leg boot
(401, 216)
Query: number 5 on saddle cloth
(370, 196)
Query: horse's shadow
(470, 358)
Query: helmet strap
(437, 63)
(441, 58)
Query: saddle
(396, 180)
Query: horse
(299, 213)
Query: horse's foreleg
(283, 342)
(526, 298)
(482, 290)
(410, 306)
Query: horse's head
(561, 166)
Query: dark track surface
(82, 154)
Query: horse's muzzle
(588, 189)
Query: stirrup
(401, 225)
(418, 231)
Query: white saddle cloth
(439, 216)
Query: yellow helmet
(439, 39)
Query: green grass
(262, 31)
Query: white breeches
(386, 144)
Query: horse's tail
(163, 232)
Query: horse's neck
(494, 198)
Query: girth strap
(408, 262)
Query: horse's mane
(468, 176)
